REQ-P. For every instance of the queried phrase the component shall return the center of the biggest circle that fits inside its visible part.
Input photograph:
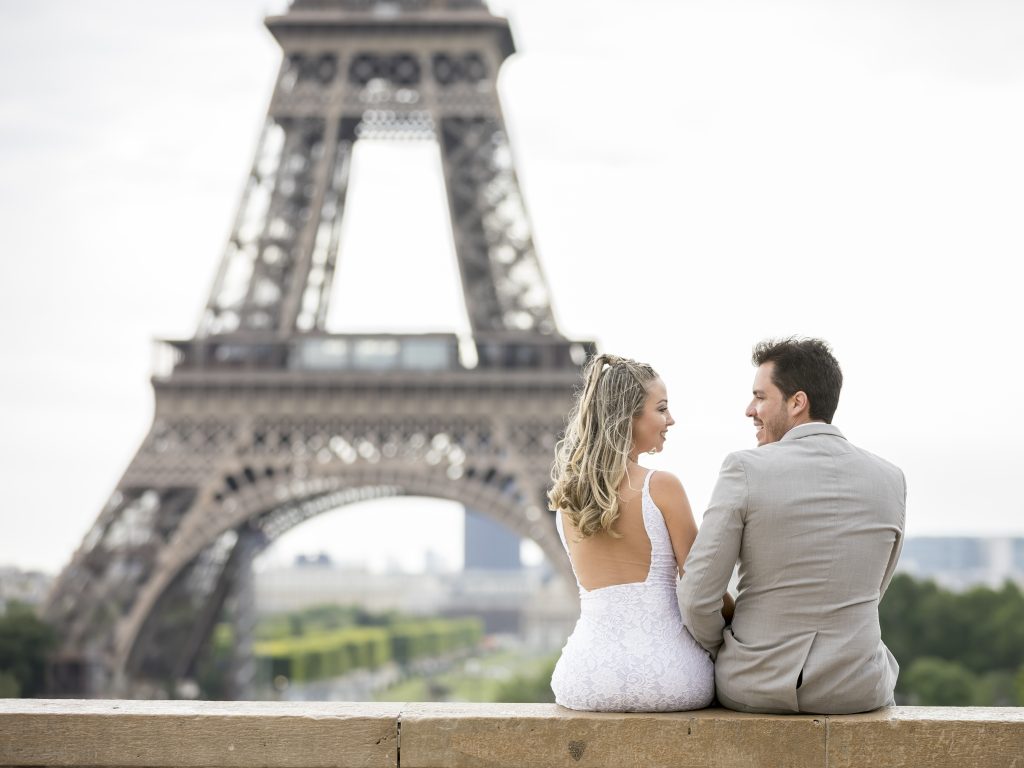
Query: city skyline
(699, 177)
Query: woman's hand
(728, 607)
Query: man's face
(769, 408)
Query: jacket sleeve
(710, 564)
(897, 546)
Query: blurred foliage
(321, 618)
(10, 688)
(329, 641)
(939, 682)
(955, 648)
(25, 642)
(535, 687)
(323, 654)
(498, 676)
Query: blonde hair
(591, 460)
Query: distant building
(530, 603)
(28, 587)
(309, 583)
(489, 546)
(320, 559)
(962, 562)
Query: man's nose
(750, 411)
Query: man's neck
(806, 423)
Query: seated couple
(815, 524)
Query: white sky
(699, 175)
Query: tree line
(954, 648)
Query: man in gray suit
(817, 526)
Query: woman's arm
(670, 496)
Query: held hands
(728, 607)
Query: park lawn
(478, 679)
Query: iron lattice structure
(264, 419)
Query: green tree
(981, 630)
(994, 689)
(1001, 630)
(25, 642)
(529, 688)
(938, 682)
(9, 686)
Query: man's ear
(799, 404)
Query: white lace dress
(630, 651)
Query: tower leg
(241, 682)
(504, 286)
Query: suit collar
(812, 428)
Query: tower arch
(180, 580)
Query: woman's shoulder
(666, 490)
(665, 481)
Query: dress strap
(662, 556)
(647, 481)
(565, 544)
(647, 504)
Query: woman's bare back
(603, 560)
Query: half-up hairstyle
(591, 460)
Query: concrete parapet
(202, 734)
(929, 737)
(176, 734)
(547, 736)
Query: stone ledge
(928, 737)
(547, 736)
(165, 734)
(201, 734)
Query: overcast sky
(699, 175)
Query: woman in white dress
(627, 531)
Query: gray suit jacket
(817, 527)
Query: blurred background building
(489, 546)
(961, 562)
(533, 604)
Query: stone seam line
(398, 739)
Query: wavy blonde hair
(591, 460)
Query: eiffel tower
(264, 419)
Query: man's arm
(713, 555)
(897, 546)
